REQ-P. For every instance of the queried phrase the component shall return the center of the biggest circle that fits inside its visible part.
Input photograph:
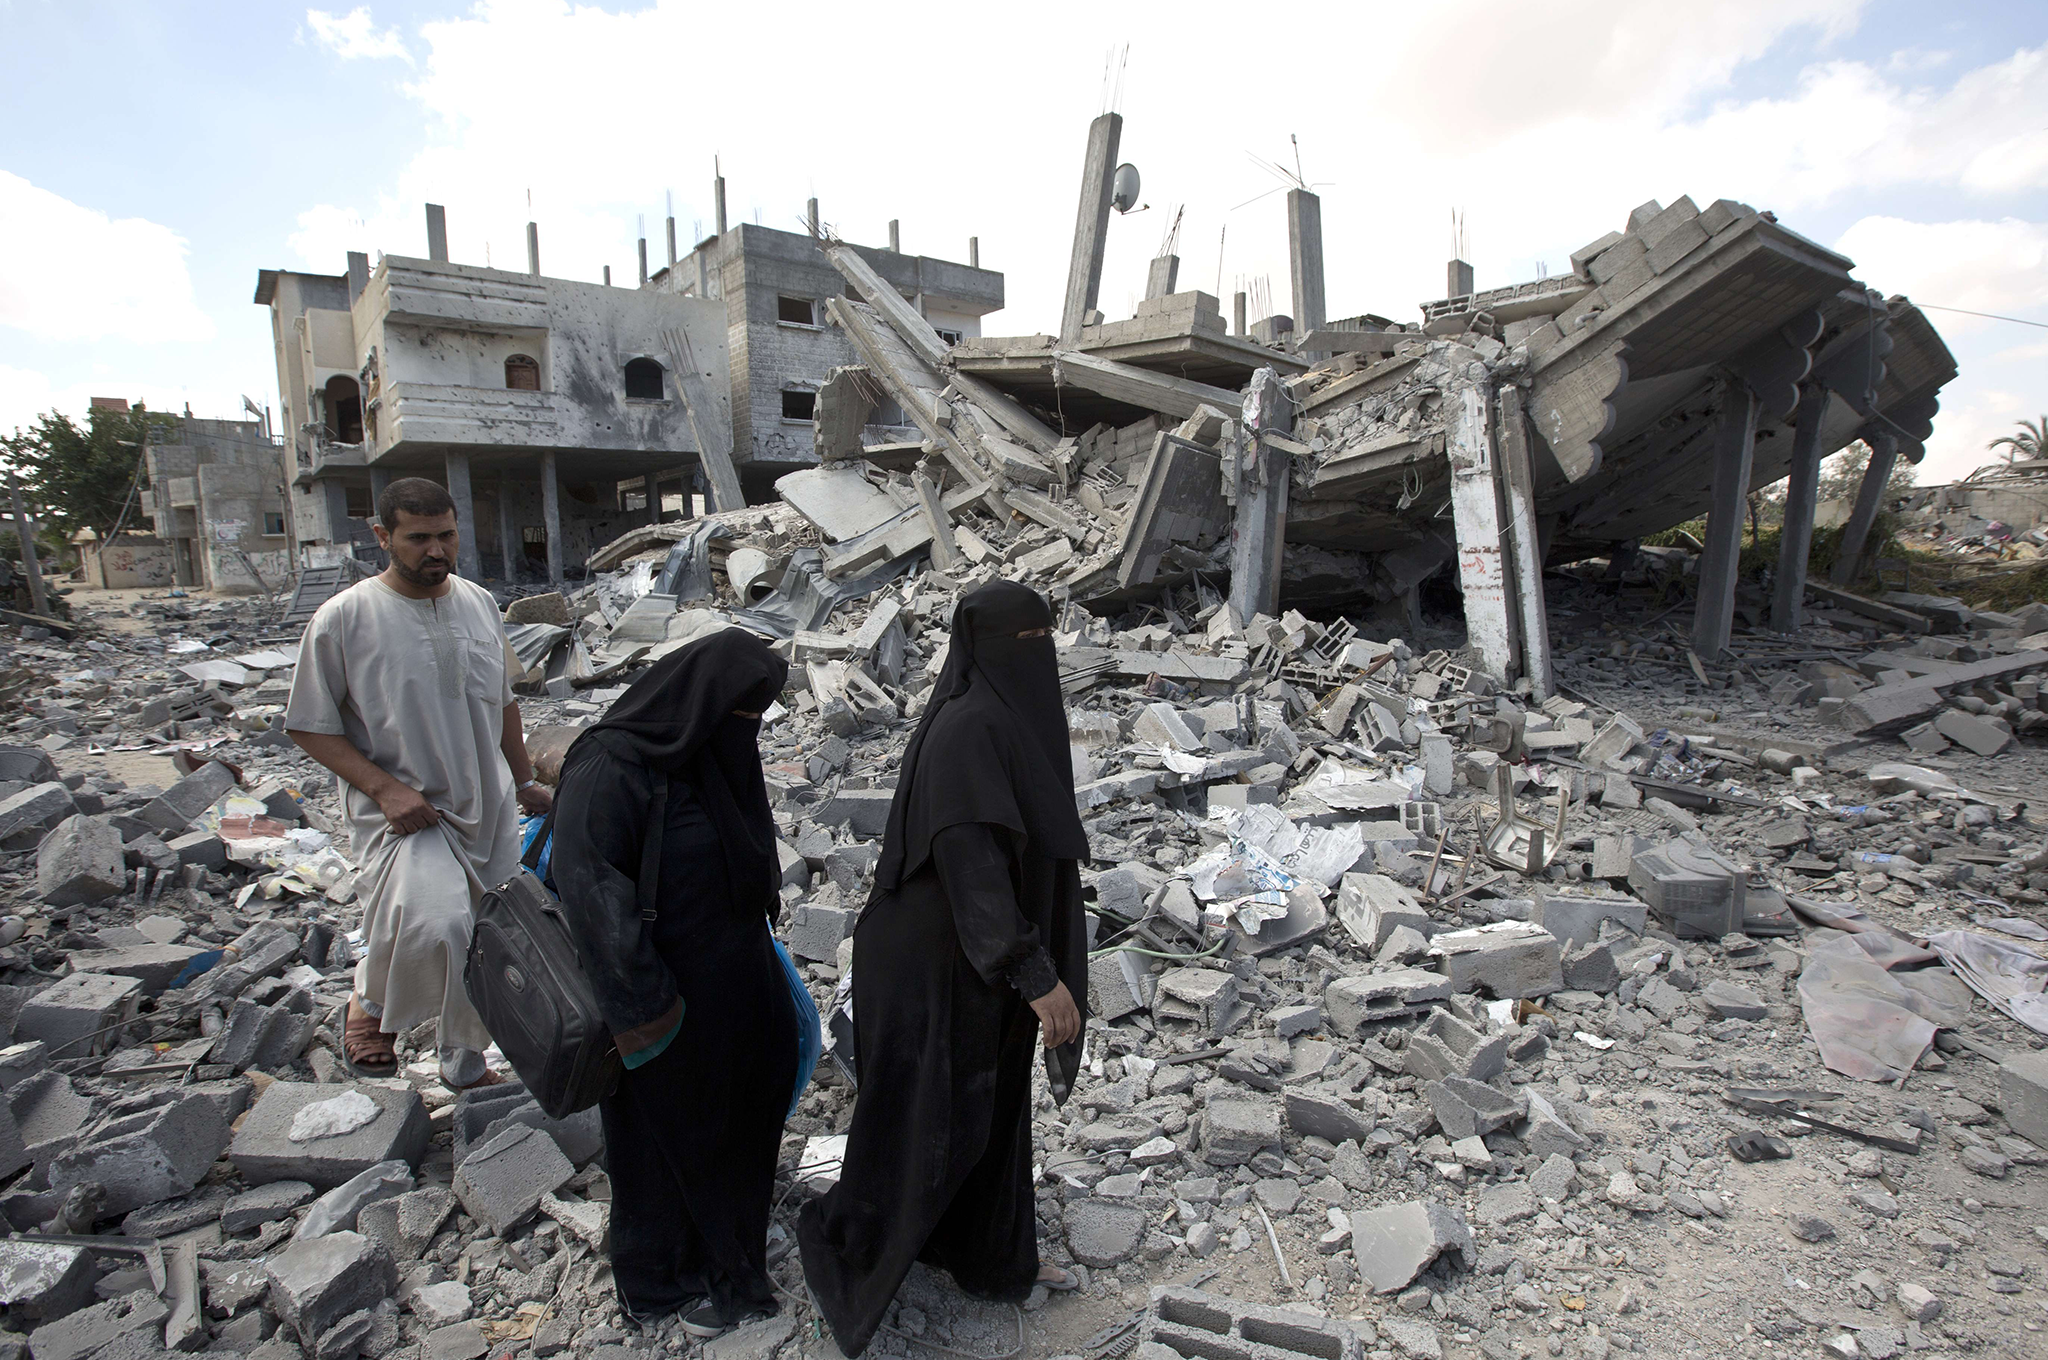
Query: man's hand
(535, 799)
(1058, 1016)
(406, 809)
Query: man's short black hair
(416, 496)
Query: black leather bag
(526, 980)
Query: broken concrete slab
(1509, 960)
(80, 1016)
(80, 862)
(263, 1149)
(145, 1157)
(1393, 1245)
(318, 1281)
(501, 1182)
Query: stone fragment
(501, 1182)
(80, 1016)
(316, 1282)
(1500, 1205)
(1466, 1109)
(265, 1204)
(128, 1326)
(1811, 1227)
(1235, 1131)
(1396, 1243)
(1918, 1302)
(1591, 968)
(1100, 1233)
(1733, 1002)
(1352, 1003)
(815, 931)
(146, 1157)
(153, 965)
(1311, 1113)
(441, 1305)
(173, 810)
(406, 1224)
(43, 1281)
(1445, 1046)
(34, 808)
(80, 863)
(1370, 906)
(2023, 1095)
(1509, 960)
(263, 1149)
(754, 1341)
(1556, 1178)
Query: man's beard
(427, 574)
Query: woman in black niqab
(686, 974)
(972, 939)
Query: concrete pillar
(468, 560)
(533, 249)
(1527, 541)
(1713, 620)
(437, 233)
(509, 547)
(704, 272)
(1237, 306)
(643, 262)
(333, 494)
(551, 516)
(607, 276)
(1458, 279)
(358, 274)
(671, 241)
(1161, 277)
(1476, 515)
(1884, 455)
(895, 237)
(379, 479)
(1091, 224)
(650, 487)
(974, 252)
(811, 215)
(1259, 527)
(718, 195)
(24, 534)
(1802, 497)
(1305, 258)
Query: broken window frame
(635, 374)
(785, 304)
(804, 397)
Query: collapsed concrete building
(217, 498)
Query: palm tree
(2030, 442)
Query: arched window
(344, 410)
(643, 380)
(522, 374)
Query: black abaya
(976, 912)
(691, 1133)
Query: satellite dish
(1123, 193)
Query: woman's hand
(1058, 1016)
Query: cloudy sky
(157, 155)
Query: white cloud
(353, 35)
(92, 277)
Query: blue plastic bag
(529, 827)
(810, 1039)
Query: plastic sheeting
(805, 598)
(2011, 976)
(1872, 1022)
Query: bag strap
(531, 859)
(650, 850)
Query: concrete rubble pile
(1424, 1008)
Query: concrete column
(333, 493)
(437, 233)
(1458, 279)
(643, 262)
(1884, 455)
(358, 274)
(1476, 516)
(1237, 306)
(607, 276)
(1526, 542)
(1161, 277)
(650, 487)
(1091, 224)
(1802, 497)
(551, 516)
(24, 534)
(533, 249)
(379, 479)
(509, 547)
(1259, 528)
(468, 560)
(671, 241)
(1713, 620)
(974, 252)
(1305, 258)
(718, 195)
(895, 237)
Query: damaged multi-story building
(217, 503)
(560, 412)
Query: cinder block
(173, 810)
(1472, 1109)
(866, 811)
(1508, 959)
(502, 1181)
(80, 862)
(1190, 1322)
(1370, 906)
(1979, 734)
(146, 1157)
(1325, 1116)
(202, 848)
(1575, 919)
(2023, 1096)
(1352, 1003)
(1118, 985)
(1235, 1130)
(43, 805)
(81, 1016)
(815, 932)
(152, 965)
(1591, 968)
(317, 1282)
(263, 1150)
(1445, 1046)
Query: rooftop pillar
(1091, 225)
(1237, 304)
(718, 194)
(1476, 516)
(1802, 498)
(437, 233)
(643, 262)
(811, 215)
(551, 515)
(468, 560)
(533, 249)
(895, 237)
(671, 241)
(358, 274)
(1305, 258)
(1259, 527)
(1458, 279)
(1161, 277)
(974, 252)
(1713, 621)
(1884, 455)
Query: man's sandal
(1066, 1282)
(365, 1047)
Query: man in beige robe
(404, 691)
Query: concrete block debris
(501, 1182)
(1395, 1243)
(263, 1149)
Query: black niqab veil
(679, 719)
(992, 746)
